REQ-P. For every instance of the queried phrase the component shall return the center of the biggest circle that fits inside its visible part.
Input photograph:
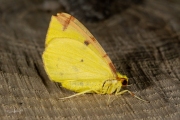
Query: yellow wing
(69, 59)
(66, 26)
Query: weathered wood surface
(143, 41)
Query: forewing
(69, 59)
(66, 26)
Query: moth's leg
(87, 91)
(76, 94)
(118, 89)
(124, 91)
(107, 87)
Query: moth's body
(99, 87)
(74, 58)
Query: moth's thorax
(114, 86)
(111, 86)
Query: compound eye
(124, 82)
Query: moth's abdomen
(99, 87)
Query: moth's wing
(66, 26)
(69, 59)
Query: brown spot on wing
(93, 38)
(65, 20)
(113, 69)
(105, 55)
(86, 42)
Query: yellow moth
(74, 58)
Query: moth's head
(122, 78)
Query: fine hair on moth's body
(74, 58)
